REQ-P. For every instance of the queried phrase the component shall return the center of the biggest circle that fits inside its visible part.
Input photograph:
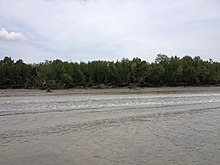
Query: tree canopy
(165, 71)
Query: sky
(86, 30)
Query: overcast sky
(85, 30)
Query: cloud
(11, 36)
(111, 29)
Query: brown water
(114, 128)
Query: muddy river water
(116, 127)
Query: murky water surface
(161, 127)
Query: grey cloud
(60, 1)
(112, 29)
(10, 36)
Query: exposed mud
(121, 127)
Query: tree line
(164, 71)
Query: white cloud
(112, 29)
(10, 36)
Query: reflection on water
(132, 128)
(45, 104)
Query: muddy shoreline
(106, 91)
(110, 126)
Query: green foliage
(170, 71)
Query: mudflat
(110, 126)
(23, 92)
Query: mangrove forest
(58, 74)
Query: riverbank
(17, 92)
(111, 126)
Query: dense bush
(165, 71)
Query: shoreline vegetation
(131, 74)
